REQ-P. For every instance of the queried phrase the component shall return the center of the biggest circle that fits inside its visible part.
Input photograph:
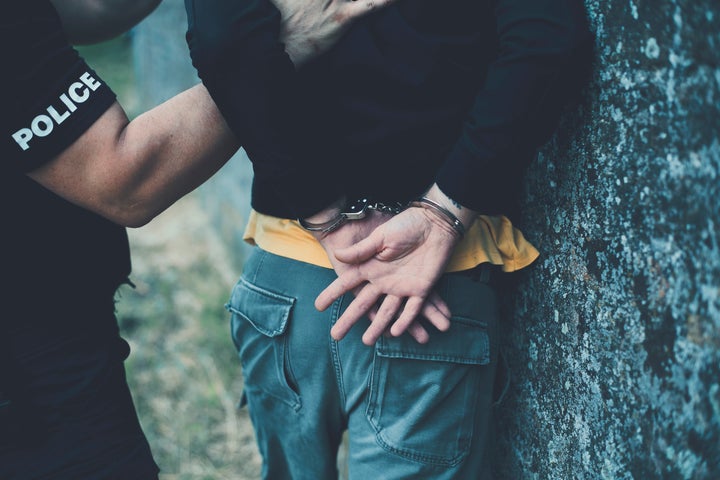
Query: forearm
(92, 21)
(129, 172)
(168, 152)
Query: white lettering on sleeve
(22, 137)
(76, 97)
(37, 126)
(56, 116)
(41, 126)
(71, 106)
(90, 81)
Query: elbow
(580, 40)
(135, 215)
(554, 38)
(566, 50)
(128, 219)
(128, 213)
(135, 220)
(209, 38)
(204, 46)
(572, 39)
(577, 55)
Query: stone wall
(613, 340)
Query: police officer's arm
(92, 21)
(131, 171)
(128, 171)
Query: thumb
(364, 250)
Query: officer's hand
(311, 27)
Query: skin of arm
(130, 171)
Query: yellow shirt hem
(490, 239)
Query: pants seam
(337, 364)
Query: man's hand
(398, 264)
(369, 300)
(311, 27)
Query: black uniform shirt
(61, 261)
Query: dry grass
(183, 370)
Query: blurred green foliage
(183, 370)
(114, 63)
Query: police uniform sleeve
(50, 96)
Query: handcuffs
(359, 209)
(355, 210)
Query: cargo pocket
(259, 321)
(423, 397)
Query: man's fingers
(363, 250)
(437, 301)
(408, 315)
(339, 287)
(388, 309)
(362, 303)
(438, 318)
(408, 319)
(418, 332)
(382, 318)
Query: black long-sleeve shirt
(69, 257)
(458, 92)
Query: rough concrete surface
(613, 340)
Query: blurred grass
(113, 61)
(183, 369)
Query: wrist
(440, 216)
(464, 215)
(342, 211)
(325, 221)
(327, 213)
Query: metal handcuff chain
(357, 210)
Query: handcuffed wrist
(442, 212)
(354, 210)
(324, 227)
